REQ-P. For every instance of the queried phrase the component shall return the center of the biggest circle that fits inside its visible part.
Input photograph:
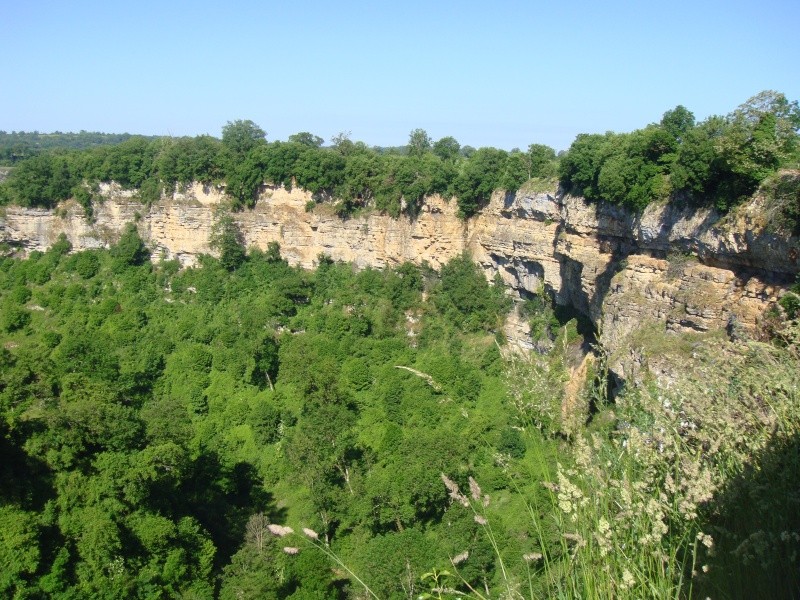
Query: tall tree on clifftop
(242, 136)
(419, 142)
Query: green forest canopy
(246, 429)
(719, 161)
(155, 421)
(19, 145)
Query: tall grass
(692, 491)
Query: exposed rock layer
(688, 269)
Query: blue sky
(502, 74)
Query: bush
(790, 302)
(227, 239)
(466, 296)
(15, 317)
(783, 197)
(86, 264)
(130, 250)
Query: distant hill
(19, 145)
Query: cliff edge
(683, 268)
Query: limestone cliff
(684, 268)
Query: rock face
(687, 269)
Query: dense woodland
(155, 421)
(246, 429)
(720, 162)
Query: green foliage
(19, 550)
(83, 196)
(130, 250)
(149, 444)
(150, 190)
(19, 145)
(479, 177)
(19, 294)
(86, 264)
(42, 181)
(541, 317)
(254, 571)
(580, 167)
(542, 161)
(384, 556)
(698, 170)
(320, 171)
(15, 317)
(790, 303)
(186, 160)
(155, 421)
(678, 122)
(538, 162)
(465, 294)
(419, 142)
(626, 169)
(447, 148)
(227, 239)
(129, 163)
(511, 443)
(307, 139)
(761, 136)
(245, 177)
(241, 136)
(782, 191)
(719, 161)
(348, 171)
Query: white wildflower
(705, 539)
(532, 557)
(474, 489)
(279, 530)
(627, 580)
(455, 492)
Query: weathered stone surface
(688, 269)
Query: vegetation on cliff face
(248, 429)
(719, 161)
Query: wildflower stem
(333, 556)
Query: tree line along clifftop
(719, 161)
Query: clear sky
(503, 73)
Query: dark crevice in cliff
(519, 268)
(620, 251)
(586, 328)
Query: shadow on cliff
(573, 292)
(756, 529)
